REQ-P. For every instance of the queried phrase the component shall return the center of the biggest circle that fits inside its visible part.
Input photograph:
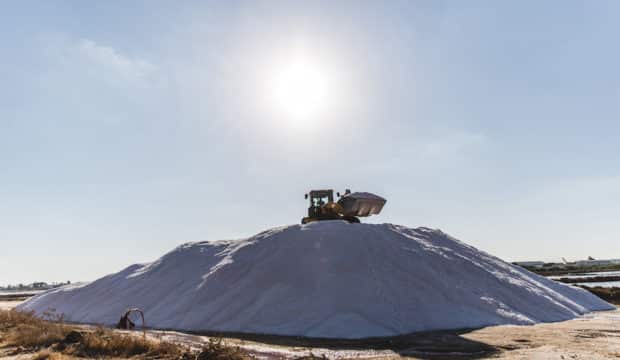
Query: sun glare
(301, 92)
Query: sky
(130, 127)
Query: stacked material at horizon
(328, 279)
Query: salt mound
(324, 279)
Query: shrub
(24, 330)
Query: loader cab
(318, 198)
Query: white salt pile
(325, 279)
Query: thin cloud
(113, 60)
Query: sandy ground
(592, 336)
(7, 305)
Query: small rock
(73, 337)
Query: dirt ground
(592, 336)
(7, 305)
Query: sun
(301, 91)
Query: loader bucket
(361, 204)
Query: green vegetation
(561, 269)
(14, 297)
(611, 295)
(591, 279)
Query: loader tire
(351, 219)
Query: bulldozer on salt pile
(349, 207)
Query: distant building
(596, 262)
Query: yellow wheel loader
(349, 207)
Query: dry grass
(23, 329)
(214, 350)
(54, 340)
(104, 342)
(48, 355)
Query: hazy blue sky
(129, 127)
